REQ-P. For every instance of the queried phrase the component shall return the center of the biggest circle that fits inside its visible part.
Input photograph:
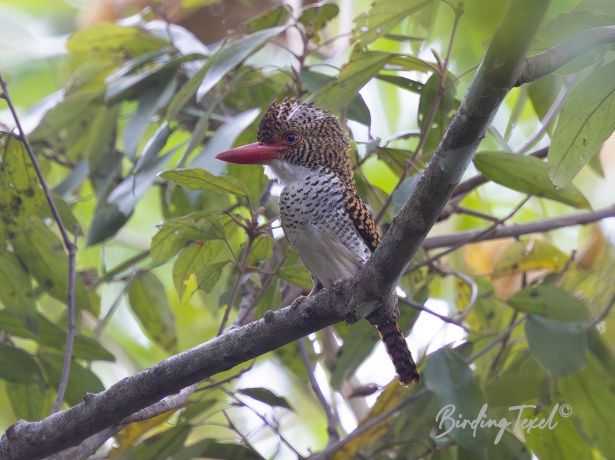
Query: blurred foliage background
(111, 93)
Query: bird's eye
(292, 138)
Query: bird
(307, 149)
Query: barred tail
(397, 348)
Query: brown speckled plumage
(322, 214)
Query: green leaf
(151, 99)
(167, 444)
(111, 40)
(265, 396)
(444, 110)
(18, 366)
(100, 142)
(315, 17)
(550, 301)
(132, 86)
(402, 82)
(148, 301)
(44, 256)
(218, 65)
(209, 448)
(585, 122)
(297, 274)
(560, 346)
(352, 77)
(80, 382)
(522, 380)
(382, 17)
(106, 222)
(175, 233)
(542, 93)
(276, 16)
(451, 379)
(28, 400)
(202, 260)
(199, 179)
(589, 393)
(530, 254)
(15, 285)
(20, 194)
(357, 346)
(46, 333)
(357, 109)
(526, 174)
(224, 137)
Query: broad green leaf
(196, 408)
(357, 346)
(199, 179)
(29, 401)
(210, 448)
(451, 379)
(175, 233)
(436, 109)
(224, 137)
(549, 301)
(132, 433)
(80, 382)
(106, 222)
(390, 397)
(18, 366)
(530, 254)
(100, 142)
(315, 17)
(16, 291)
(275, 16)
(526, 174)
(521, 381)
(262, 248)
(296, 274)
(131, 86)
(589, 393)
(402, 82)
(47, 334)
(148, 301)
(20, 194)
(162, 445)
(382, 17)
(357, 109)
(543, 93)
(363, 66)
(111, 40)
(151, 99)
(202, 260)
(560, 346)
(587, 119)
(44, 256)
(266, 396)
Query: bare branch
(331, 420)
(515, 230)
(541, 64)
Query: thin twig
(331, 420)
(70, 330)
(167, 404)
(515, 230)
(419, 307)
(71, 248)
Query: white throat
(287, 173)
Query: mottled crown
(323, 140)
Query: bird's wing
(362, 219)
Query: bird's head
(294, 137)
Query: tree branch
(376, 280)
(518, 229)
(541, 64)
